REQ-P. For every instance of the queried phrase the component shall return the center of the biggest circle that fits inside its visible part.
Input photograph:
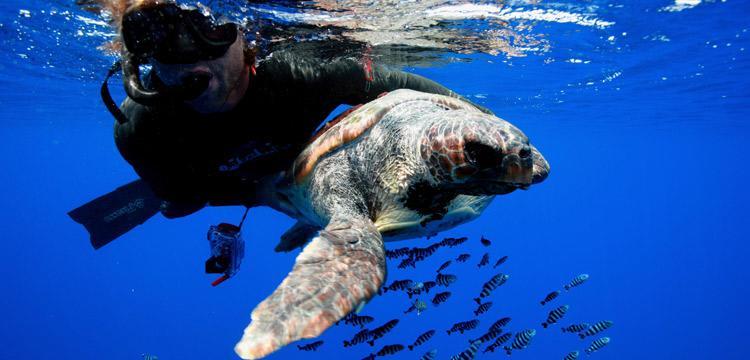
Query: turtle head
(481, 155)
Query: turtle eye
(482, 155)
(524, 153)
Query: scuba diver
(207, 122)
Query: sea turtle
(405, 165)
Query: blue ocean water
(643, 121)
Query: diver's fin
(341, 267)
(296, 237)
(111, 215)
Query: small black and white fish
(445, 279)
(463, 326)
(573, 355)
(498, 325)
(429, 285)
(469, 353)
(555, 315)
(421, 339)
(440, 298)
(398, 285)
(463, 257)
(356, 320)
(430, 355)
(313, 346)
(149, 357)
(521, 341)
(418, 305)
(551, 296)
(451, 242)
(487, 336)
(578, 280)
(380, 331)
(444, 266)
(500, 261)
(596, 328)
(483, 308)
(406, 263)
(397, 253)
(597, 345)
(496, 281)
(359, 338)
(485, 241)
(416, 289)
(390, 350)
(485, 260)
(498, 342)
(575, 328)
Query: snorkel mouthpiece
(171, 35)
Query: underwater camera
(227, 250)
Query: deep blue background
(648, 194)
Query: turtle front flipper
(296, 237)
(341, 267)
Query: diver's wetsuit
(189, 159)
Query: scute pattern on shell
(361, 120)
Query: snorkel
(165, 32)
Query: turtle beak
(541, 166)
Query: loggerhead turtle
(405, 165)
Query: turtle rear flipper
(342, 267)
(296, 237)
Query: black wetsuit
(191, 160)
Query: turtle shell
(350, 126)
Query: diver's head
(195, 59)
(481, 155)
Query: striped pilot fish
(521, 341)
(421, 339)
(397, 253)
(498, 342)
(398, 285)
(485, 260)
(483, 308)
(575, 328)
(444, 266)
(359, 338)
(573, 355)
(149, 357)
(551, 296)
(463, 258)
(464, 326)
(500, 261)
(440, 298)
(445, 279)
(554, 315)
(451, 242)
(497, 325)
(578, 280)
(469, 353)
(390, 349)
(596, 328)
(430, 355)
(485, 241)
(380, 331)
(491, 285)
(313, 346)
(489, 335)
(597, 345)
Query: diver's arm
(350, 80)
(170, 180)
